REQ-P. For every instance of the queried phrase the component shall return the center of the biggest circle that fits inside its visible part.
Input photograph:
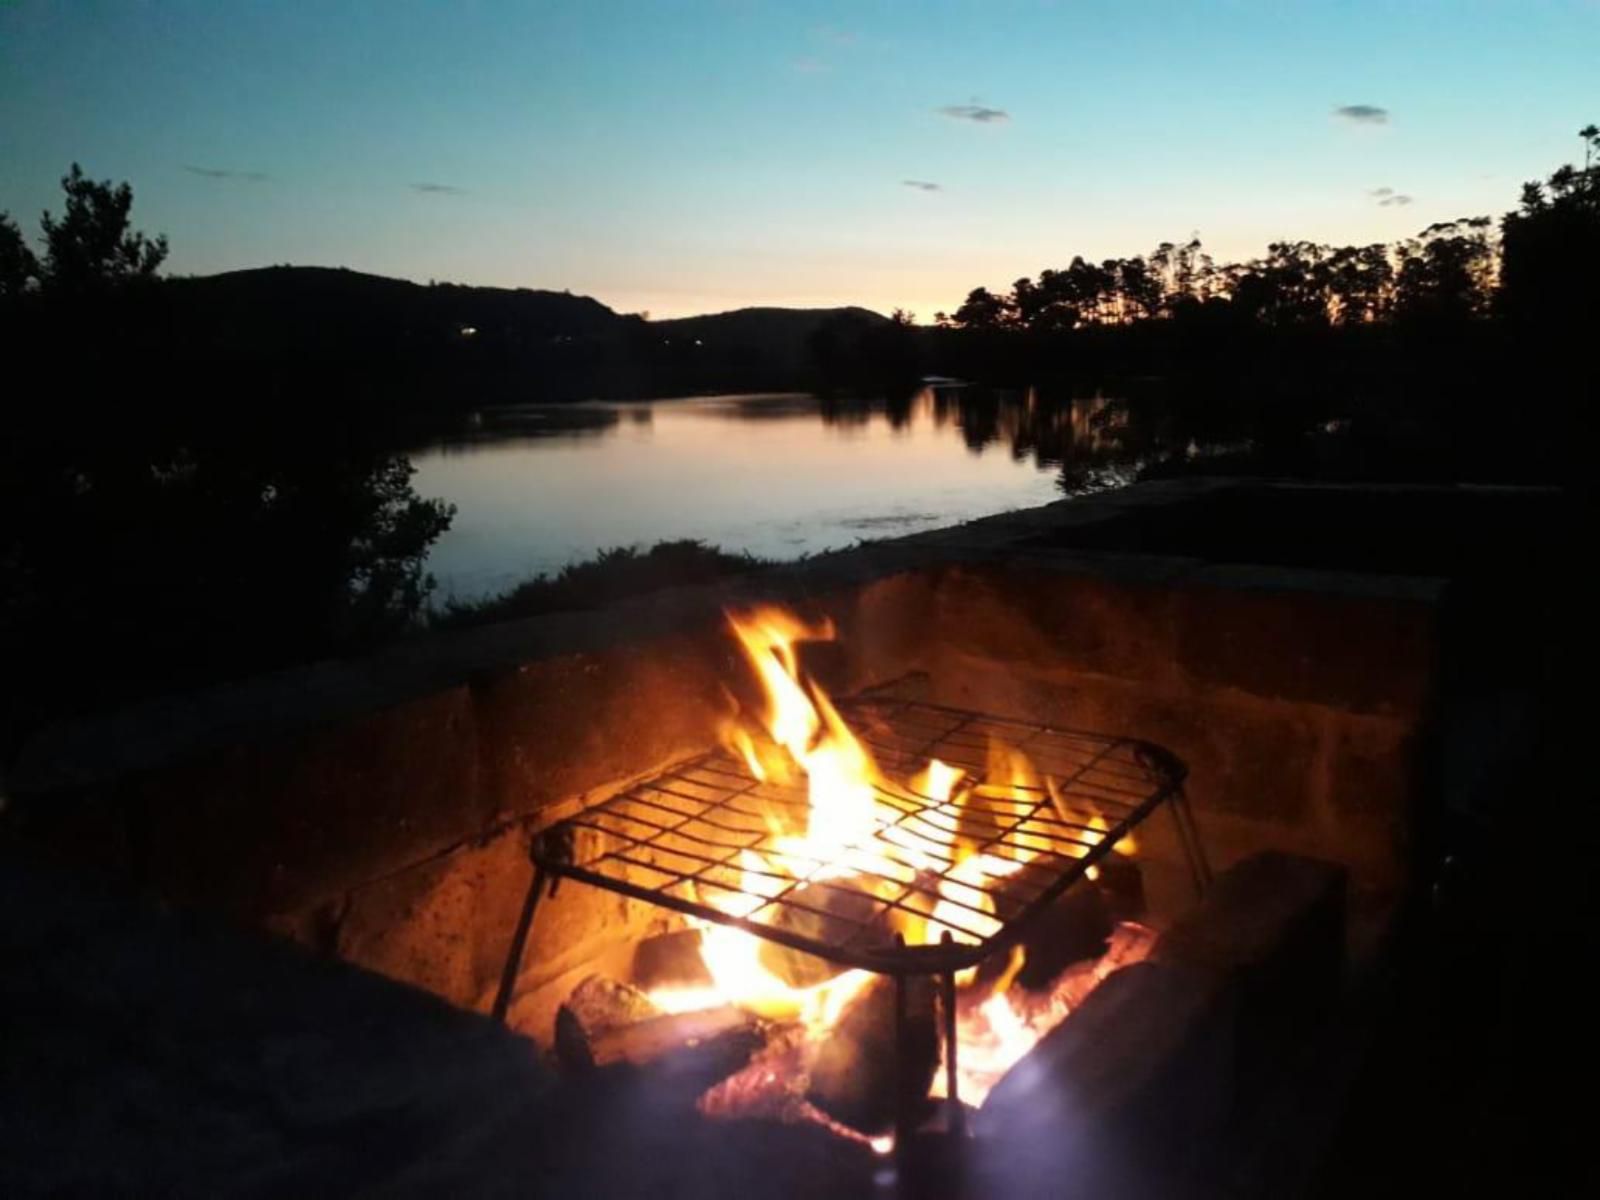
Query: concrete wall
(1298, 702)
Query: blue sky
(682, 157)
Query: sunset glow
(692, 158)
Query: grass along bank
(616, 574)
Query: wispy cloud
(438, 189)
(1362, 114)
(807, 65)
(923, 185)
(834, 36)
(980, 113)
(1387, 197)
(222, 173)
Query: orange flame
(852, 827)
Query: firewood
(646, 1041)
(595, 1007)
(1122, 884)
(1075, 927)
(714, 1042)
(858, 1076)
(600, 1004)
(829, 912)
(670, 960)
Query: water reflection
(1049, 433)
(539, 486)
(522, 423)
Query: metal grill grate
(708, 837)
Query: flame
(1088, 833)
(936, 781)
(854, 827)
(802, 720)
(800, 734)
(994, 1032)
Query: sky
(675, 157)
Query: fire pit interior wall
(1298, 707)
(399, 839)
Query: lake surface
(541, 486)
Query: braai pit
(747, 940)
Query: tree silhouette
(1447, 271)
(174, 514)
(982, 309)
(1551, 247)
(18, 268)
(1359, 281)
(92, 247)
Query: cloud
(923, 185)
(974, 112)
(1387, 197)
(437, 189)
(834, 36)
(807, 65)
(1363, 114)
(221, 173)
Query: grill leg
(1189, 839)
(519, 945)
(957, 1120)
(902, 1056)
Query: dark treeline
(1463, 352)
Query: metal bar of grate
(706, 837)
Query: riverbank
(615, 574)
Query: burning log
(670, 960)
(674, 1057)
(596, 1006)
(605, 1023)
(859, 1076)
(600, 1004)
(827, 912)
(1076, 927)
(1122, 884)
(652, 1039)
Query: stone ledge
(1144, 1062)
(1274, 926)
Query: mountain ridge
(493, 344)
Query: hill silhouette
(329, 300)
(780, 338)
(474, 345)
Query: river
(539, 486)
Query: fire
(802, 721)
(852, 833)
(994, 1032)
